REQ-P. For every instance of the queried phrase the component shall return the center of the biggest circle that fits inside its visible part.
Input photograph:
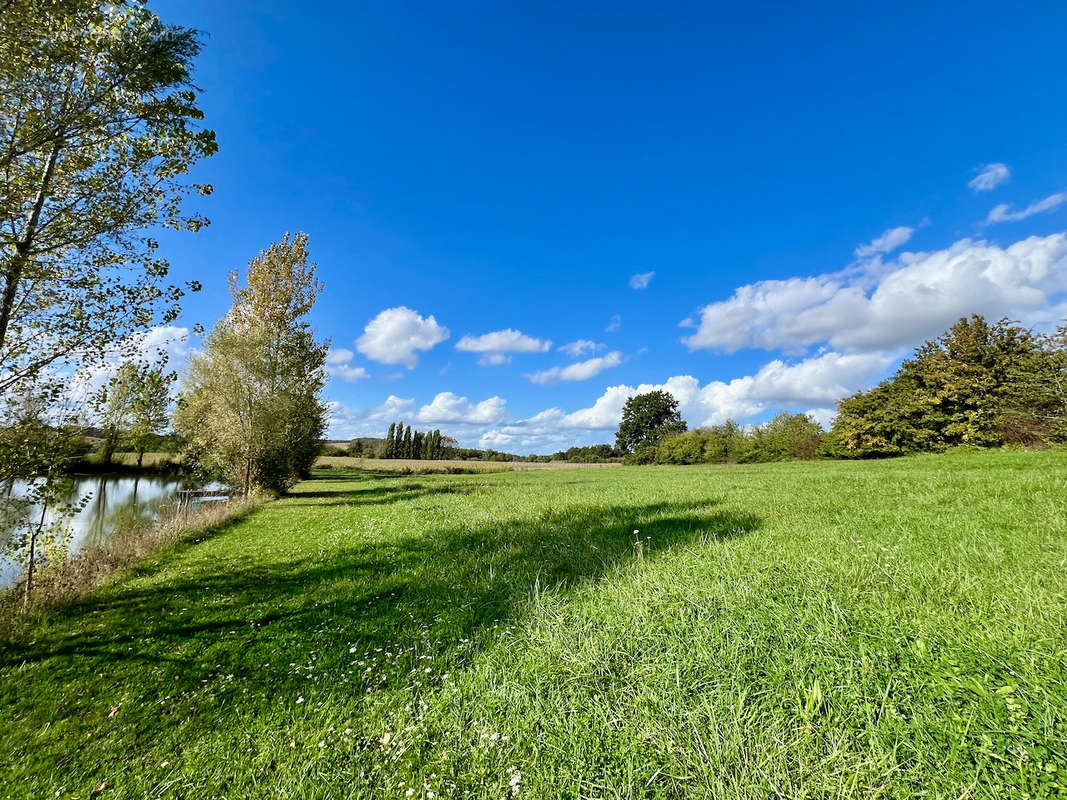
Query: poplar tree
(389, 441)
(250, 403)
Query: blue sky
(797, 185)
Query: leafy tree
(116, 401)
(150, 410)
(250, 403)
(39, 439)
(389, 440)
(646, 419)
(979, 384)
(787, 436)
(406, 447)
(98, 126)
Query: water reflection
(114, 501)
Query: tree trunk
(140, 456)
(13, 270)
(33, 556)
(248, 475)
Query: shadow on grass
(445, 591)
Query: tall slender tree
(251, 403)
(389, 440)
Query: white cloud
(1003, 212)
(450, 407)
(339, 365)
(348, 423)
(813, 384)
(890, 240)
(912, 298)
(989, 177)
(580, 347)
(496, 346)
(446, 408)
(641, 280)
(613, 324)
(579, 371)
(395, 334)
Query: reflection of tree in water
(128, 512)
(85, 514)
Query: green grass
(883, 629)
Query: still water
(114, 500)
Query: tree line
(405, 442)
(979, 384)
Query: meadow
(880, 629)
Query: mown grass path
(890, 629)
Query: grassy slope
(892, 629)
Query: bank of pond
(99, 505)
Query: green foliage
(857, 629)
(401, 442)
(978, 385)
(590, 454)
(133, 408)
(98, 126)
(786, 437)
(712, 445)
(646, 419)
(250, 403)
(39, 445)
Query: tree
(116, 401)
(150, 410)
(978, 384)
(785, 437)
(98, 126)
(39, 439)
(250, 403)
(406, 447)
(389, 440)
(646, 419)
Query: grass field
(883, 629)
(401, 464)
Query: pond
(113, 501)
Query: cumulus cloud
(912, 298)
(497, 345)
(445, 408)
(1003, 212)
(348, 423)
(813, 384)
(889, 240)
(450, 407)
(339, 365)
(641, 280)
(579, 371)
(394, 336)
(989, 177)
(613, 324)
(579, 347)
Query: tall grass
(81, 574)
